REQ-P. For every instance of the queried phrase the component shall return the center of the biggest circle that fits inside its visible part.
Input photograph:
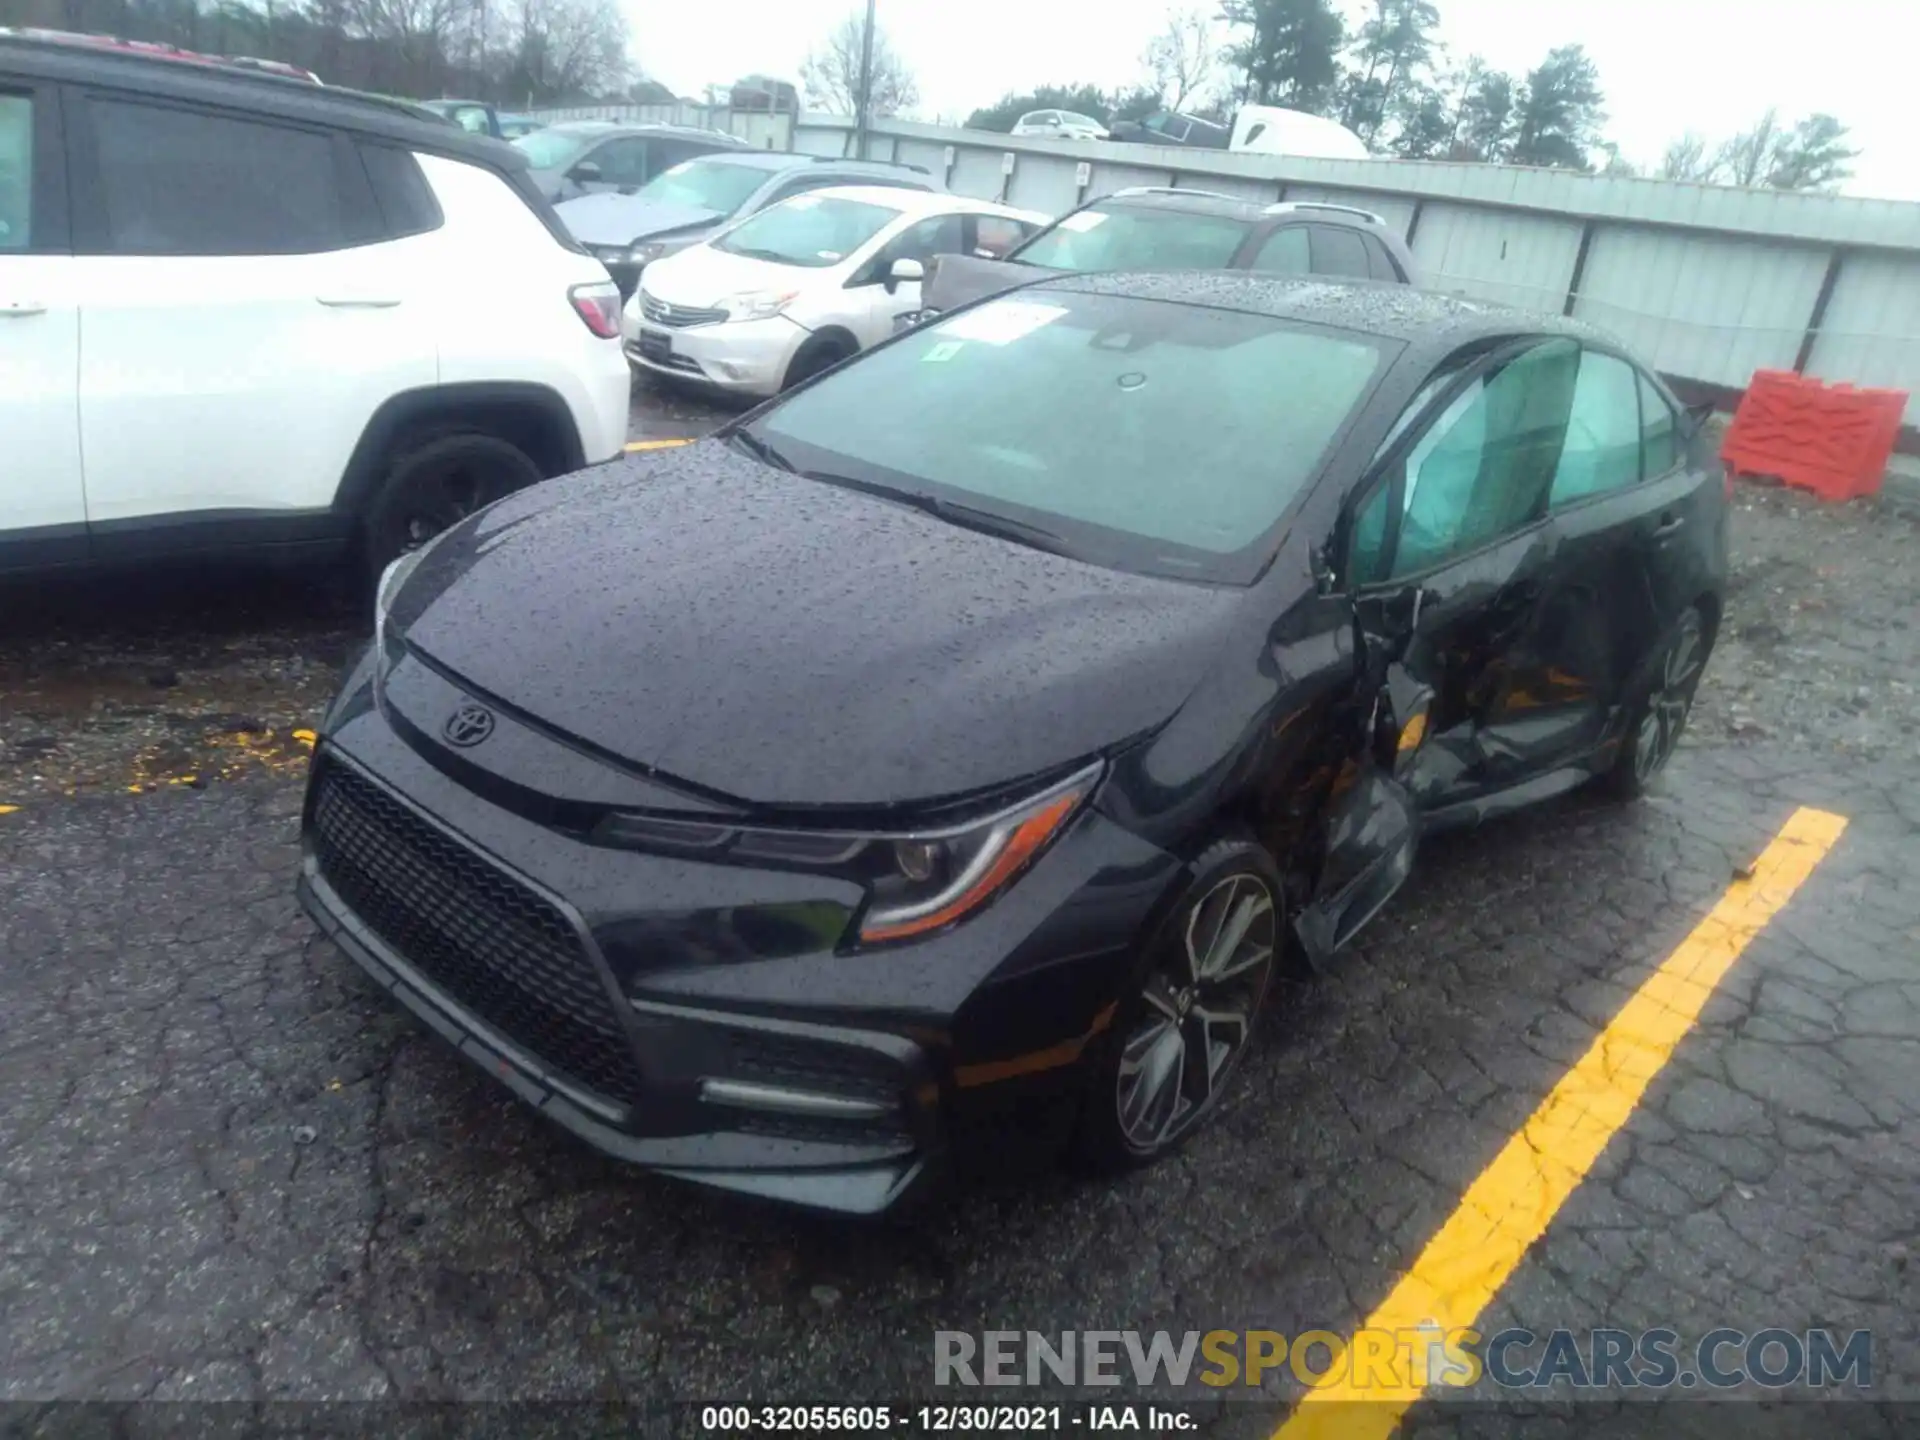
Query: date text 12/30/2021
(942, 1419)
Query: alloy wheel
(1667, 707)
(441, 501)
(1198, 1013)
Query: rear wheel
(1180, 1033)
(435, 482)
(1660, 714)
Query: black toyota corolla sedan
(941, 761)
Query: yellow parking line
(1509, 1206)
(634, 445)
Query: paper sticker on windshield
(1001, 322)
(1084, 220)
(945, 350)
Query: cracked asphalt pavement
(230, 1169)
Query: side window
(622, 162)
(407, 204)
(1338, 251)
(938, 235)
(1602, 452)
(995, 235)
(1177, 127)
(16, 171)
(1285, 252)
(799, 185)
(1660, 430)
(1482, 468)
(180, 182)
(472, 119)
(669, 153)
(1380, 263)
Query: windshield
(716, 185)
(1144, 434)
(1128, 239)
(810, 230)
(555, 149)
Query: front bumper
(747, 357)
(842, 1081)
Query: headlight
(391, 579)
(647, 250)
(917, 881)
(757, 304)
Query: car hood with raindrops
(785, 642)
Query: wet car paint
(681, 634)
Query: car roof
(921, 202)
(1186, 202)
(261, 92)
(898, 197)
(641, 127)
(780, 161)
(1421, 319)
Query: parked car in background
(475, 116)
(237, 314)
(1169, 127)
(942, 762)
(1270, 130)
(592, 157)
(695, 198)
(1171, 229)
(512, 127)
(1060, 124)
(800, 286)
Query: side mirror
(905, 270)
(1322, 561)
(585, 173)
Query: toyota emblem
(469, 724)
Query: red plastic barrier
(1831, 439)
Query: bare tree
(416, 35)
(1687, 159)
(831, 72)
(1180, 58)
(1744, 158)
(568, 50)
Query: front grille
(677, 317)
(484, 938)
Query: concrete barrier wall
(1708, 282)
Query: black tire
(1172, 1007)
(1663, 699)
(436, 481)
(815, 356)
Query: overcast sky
(1667, 65)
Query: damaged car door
(1446, 555)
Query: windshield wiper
(968, 517)
(760, 450)
(753, 253)
(1005, 526)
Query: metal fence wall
(1708, 282)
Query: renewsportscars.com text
(1389, 1360)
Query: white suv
(242, 313)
